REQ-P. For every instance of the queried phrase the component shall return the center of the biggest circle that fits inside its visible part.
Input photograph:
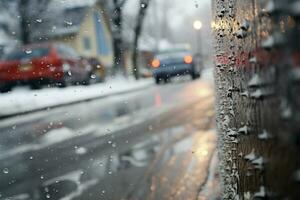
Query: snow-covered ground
(208, 74)
(22, 100)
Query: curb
(7, 116)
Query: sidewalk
(211, 189)
(23, 100)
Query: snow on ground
(63, 134)
(211, 189)
(23, 100)
(208, 74)
(49, 139)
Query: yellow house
(84, 27)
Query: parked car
(171, 63)
(40, 64)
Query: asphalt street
(159, 143)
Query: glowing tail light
(155, 63)
(188, 59)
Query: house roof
(61, 22)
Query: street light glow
(197, 25)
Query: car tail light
(188, 59)
(155, 63)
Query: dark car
(173, 63)
(40, 64)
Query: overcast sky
(179, 15)
(194, 8)
(179, 9)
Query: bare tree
(29, 11)
(138, 29)
(166, 7)
(115, 9)
(117, 36)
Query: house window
(102, 41)
(87, 43)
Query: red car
(40, 64)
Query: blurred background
(165, 24)
(149, 99)
(107, 99)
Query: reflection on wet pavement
(148, 145)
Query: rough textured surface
(257, 84)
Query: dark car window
(172, 54)
(66, 51)
(61, 51)
(27, 54)
(174, 50)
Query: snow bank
(23, 100)
(208, 74)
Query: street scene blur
(107, 99)
(149, 99)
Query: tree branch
(138, 30)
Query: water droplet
(5, 171)
(261, 193)
(196, 4)
(81, 150)
(28, 51)
(48, 196)
(103, 191)
(241, 34)
(150, 127)
(69, 23)
(268, 43)
(93, 76)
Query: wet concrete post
(257, 75)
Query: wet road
(152, 144)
